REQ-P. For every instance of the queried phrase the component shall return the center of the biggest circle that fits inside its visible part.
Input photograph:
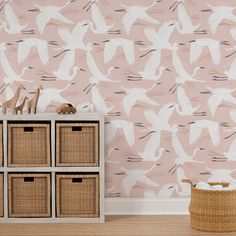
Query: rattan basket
(77, 195)
(1, 195)
(212, 210)
(29, 195)
(1, 145)
(77, 144)
(28, 145)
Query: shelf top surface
(54, 116)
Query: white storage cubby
(89, 173)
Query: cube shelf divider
(53, 170)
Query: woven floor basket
(212, 210)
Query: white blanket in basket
(206, 186)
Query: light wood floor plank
(114, 226)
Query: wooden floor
(115, 225)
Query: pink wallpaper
(164, 72)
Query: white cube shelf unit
(54, 168)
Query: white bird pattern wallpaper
(163, 72)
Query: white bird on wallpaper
(186, 24)
(136, 176)
(219, 14)
(182, 189)
(11, 24)
(127, 128)
(97, 75)
(100, 26)
(98, 101)
(165, 191)
(160, 40)
(48, 13)
(85, 107)
(159, 122)
(197, 46)
(198, 126)
(51, 94)
(11, 75)
(149, 151)
(75, 38)
(134, 13)
(182, 75)
(66, 65)
(8, 90)
(112, 45)
(149, 71)
(218, 96)
(108, 158)
(25, 45)
(231, 72)
(184, 102)
(134, 95)
(221, 175)
(231, 153)
(181, 156)
(232, 115)
(233, 33)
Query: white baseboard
(143, 206)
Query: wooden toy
(11, 103)
(32, 104)
(66, 108)
(21, 106)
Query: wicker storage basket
(77, 195)
(28, 145)
(1, 145)
(77, 144)
(1, 195)
(212, 210)
(29, 195)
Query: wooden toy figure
(11, 103)
(21, 106)
(32, 104)
(66, 108)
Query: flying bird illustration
(112, 45)
(133, 13)
(219, 14)
(47, 13)
(218, 96)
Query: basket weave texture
(1, 145)
(28, 145)
(29, 195)
(1, 195)
(77, 144)
(77, 195)
(212, 210)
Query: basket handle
(188, 181)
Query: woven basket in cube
(77, 144)
(1, 146)
(28, 145)
(1, 195)
(29, 195)
(77, 195)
